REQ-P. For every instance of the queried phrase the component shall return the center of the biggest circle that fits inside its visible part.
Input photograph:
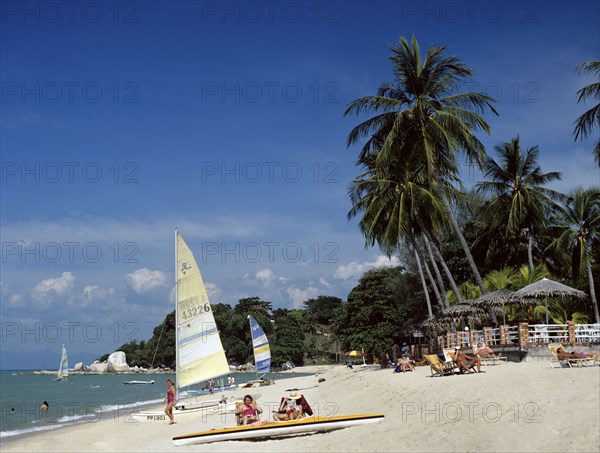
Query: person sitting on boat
(248, 412)
(293, 407)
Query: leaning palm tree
(388, 209)
(576, 227)
(519, 202)
(422, 117)
(590, 119)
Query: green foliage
(288, 339)
(323, 308)
(383, 301)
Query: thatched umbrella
(544, 289)
(495, 299)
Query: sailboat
(199, 353)
(262, 354)
(63, 367)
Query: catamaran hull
(215, 390)
(137, 382)
(274, 429)
(185, 410)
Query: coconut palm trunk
(443, 264)
(530, 250)
(593, 291)
(421, 275)
(468, 254)
(436, 291)
(437, 272)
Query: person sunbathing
(562, 354)
(248, 411)
(289, 409)
(406, 364)
(485, 351)
(465, 362)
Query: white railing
(548, 333)
(513, 335)
(587, 333)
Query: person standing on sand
(170, 399)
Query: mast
(176, 322)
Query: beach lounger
(438, 368)
(555, 362)
(492, 360)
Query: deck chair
(239, 417)
(555, 362)
(438, 368)
(492, 360)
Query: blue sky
(123, 120)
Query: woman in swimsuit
(170, 399)
(248, 411)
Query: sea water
(83, 398)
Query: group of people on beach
(292, 407)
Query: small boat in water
(63, 367)
(137, 382)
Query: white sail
(63, 367)
(260, 345)
(200, 354)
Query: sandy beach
(511, 407)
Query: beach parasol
(495, 299)
(356, 353)
(544, 289)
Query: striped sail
(260, 344)
(200, 354)
(63, 367)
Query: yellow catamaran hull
(274, 429)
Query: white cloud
(93, 293)
(299, 296)
(144, 280)
(355, 270)
(265, 276)
(324, 282)
(215, 294)
(47, 290)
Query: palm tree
(590, 119)
(576, 226)
(519, 200)
(388, 210)
(423, 120)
